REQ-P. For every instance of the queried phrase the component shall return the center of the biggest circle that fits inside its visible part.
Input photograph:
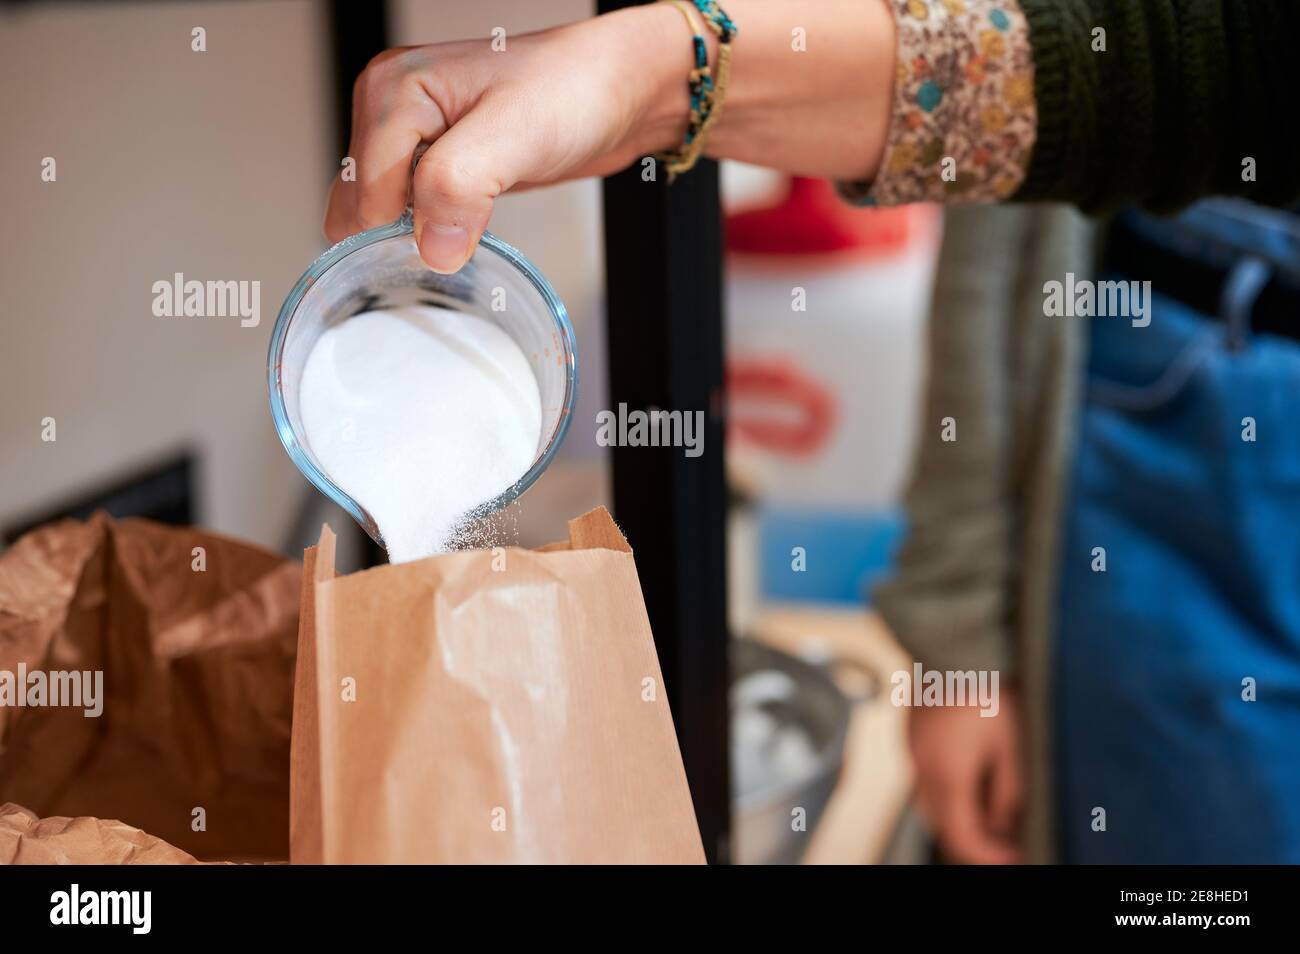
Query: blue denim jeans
(1177, 668)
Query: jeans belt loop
(1241, 290)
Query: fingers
(961, 823)
(1006, 791)
(969, 783)
(392, 113)
(340, 211)
(458, 180)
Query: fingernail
(445, 247)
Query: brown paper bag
(26, 839)
(485, 706)
(195, 636)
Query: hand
(580, 100)
(590, 98)
(970, 779)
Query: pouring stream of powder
(421, 415)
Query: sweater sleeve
(1148, 102)
(1161, 102)
(948, 600)
(972, 584)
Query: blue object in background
(1201, 591)
(845, 552)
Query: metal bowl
(795, 697)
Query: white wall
(212, 164)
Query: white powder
(421, 415)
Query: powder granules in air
(422, 415)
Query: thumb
(454, 186)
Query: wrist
(811, 84)
(811, 87)
(656, 46)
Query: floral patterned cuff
(964, 113)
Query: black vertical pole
(663, 266)
(358, 32)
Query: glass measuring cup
(381, 268)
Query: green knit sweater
(1184, 94)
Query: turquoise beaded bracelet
(706, 90)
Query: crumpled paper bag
(195, 635)
(485, 706)
(26, 839)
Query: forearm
(811, 83)
(913, 100)
(908, 100)
(1093, 102)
